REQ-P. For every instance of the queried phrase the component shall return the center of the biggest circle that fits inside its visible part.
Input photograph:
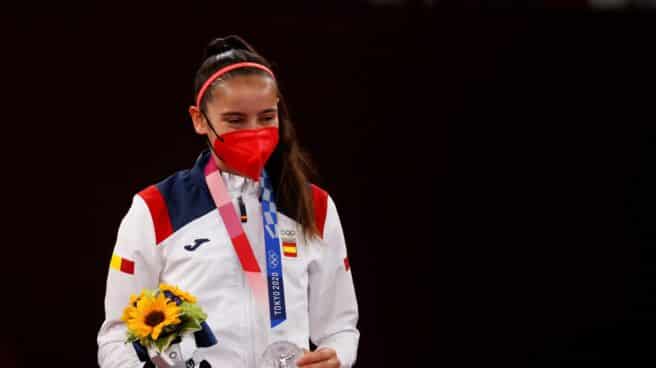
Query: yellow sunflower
(130, 310)
(129, 313)
(151, 315)
(181, 294)
(134, 298)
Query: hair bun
(223, 44)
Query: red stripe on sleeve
(127, 266)
(320, 202)
(159, 212)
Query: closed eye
(234, 118)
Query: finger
(330, 363)
(330, 350)
(307, 358)
(315, 357)
(305, 351)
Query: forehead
(244, 93)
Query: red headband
(224, 70)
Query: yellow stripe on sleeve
(116, 262)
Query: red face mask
(247, 150)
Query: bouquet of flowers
(158, 317)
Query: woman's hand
(322, 358)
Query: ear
(198, 119)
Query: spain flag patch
(122, 264)
(289, 249)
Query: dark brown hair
(289, 167)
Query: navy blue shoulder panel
(186, 195)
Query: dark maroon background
(493, 169)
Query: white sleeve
(135, 248)
(332, 301)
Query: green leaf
(146, 342)
(191, 326)
(193, 311)
(163, 343)
(132, 338)
(169, 329)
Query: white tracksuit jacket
(150, 249)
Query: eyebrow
(241, 113)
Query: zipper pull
(242, 210)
